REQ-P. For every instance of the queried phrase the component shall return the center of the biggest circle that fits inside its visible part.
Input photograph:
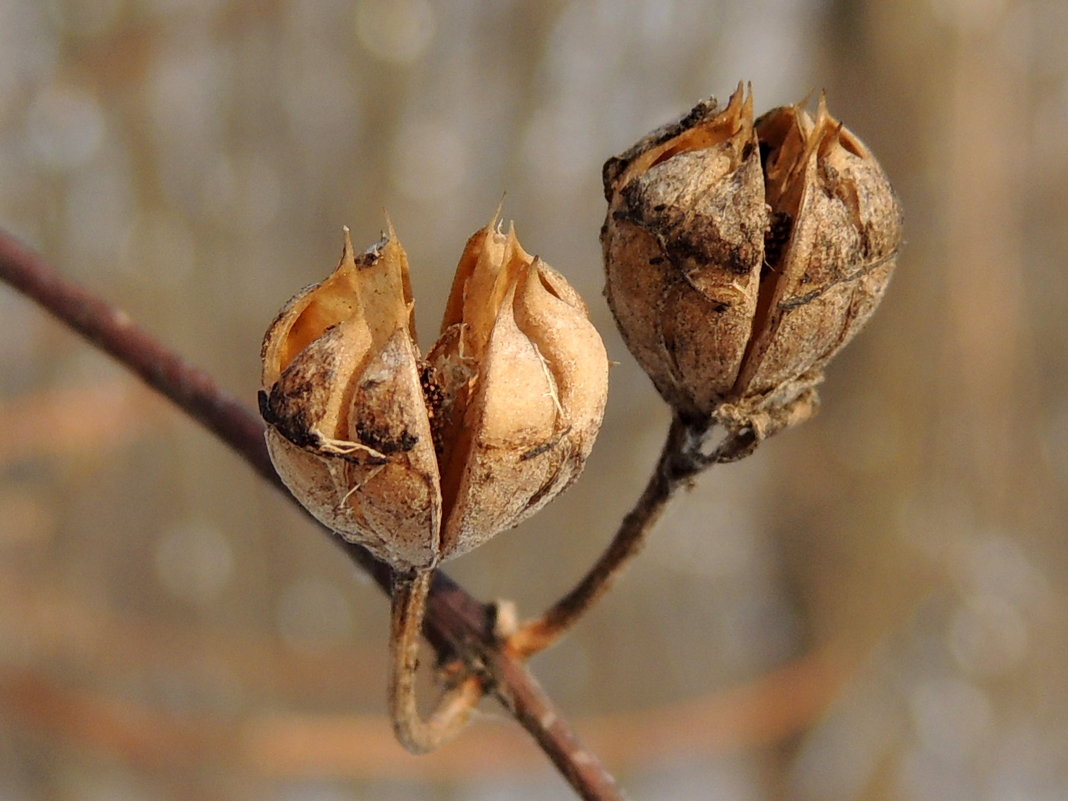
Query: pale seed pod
(421, 460)
(348, 429)
(840, 224)
(525, 424)
(741, 256)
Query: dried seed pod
(421, 459)
(741, 256)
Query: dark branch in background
(112, 330)
(456, 623)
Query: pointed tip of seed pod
(348, 253)
(390, 232)
(826, 127)
(531, 269)
(392, 248)
(514, 249)
(739, 106)
(495, 221)
(821, 108)
(828, 134)
(827, 131)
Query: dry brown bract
(421, 459)
(742, 256)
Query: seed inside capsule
(434, 397)
(779, 228)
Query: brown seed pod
(741, 256)
(422, 459)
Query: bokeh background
(874, 606)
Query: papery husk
(839, 257)
(683, 242)
(741, 257)
(514, 448)
(422, 460)
(348, 433)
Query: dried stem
(521, 694)
(420, 736)
(456, 623)
(680, 460)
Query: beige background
(874, 606)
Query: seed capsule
(741, 256)
(418, 459)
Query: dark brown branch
(111, 329)
(456, 623)
(528, 703)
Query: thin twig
(408, 607)
(521, 694)
(456, 623)
(681, 459)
